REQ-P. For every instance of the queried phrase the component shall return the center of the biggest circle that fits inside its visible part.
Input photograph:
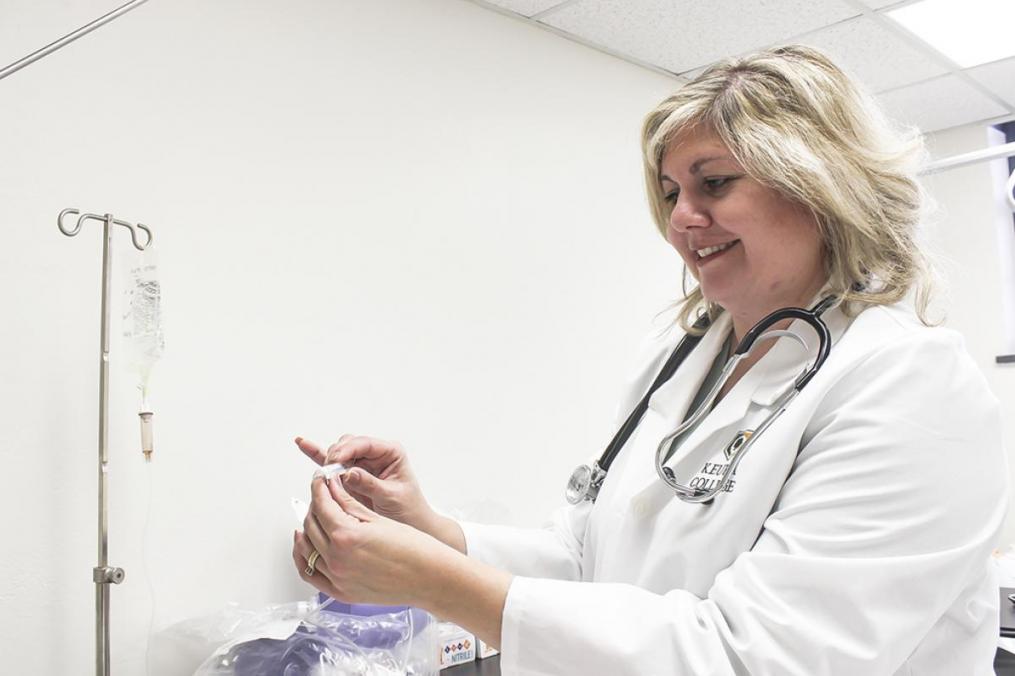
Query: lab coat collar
(786, 360)
(675, 395)
(672, 401)
(763, 384)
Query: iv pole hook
(108, 217)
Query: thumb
(365, 483)
(349, 504)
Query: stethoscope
(586, 481)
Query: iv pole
(103, 574)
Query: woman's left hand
(364, 557)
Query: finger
(311, 450)
(360, 482)
(349, 504)
(313, 531)
(329, 512)
(320, 577)
(360, 449)
(362, 498)
(342, 439)
(302, 549)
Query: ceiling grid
(680, 38)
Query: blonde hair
(799, 125)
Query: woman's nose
(688, 214)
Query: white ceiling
(915, 83)
(680, 37)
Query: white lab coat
(856, 539)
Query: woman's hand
(379, 476)
(367, 558)
(364, 557)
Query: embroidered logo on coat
(711, 474)
(737, 443)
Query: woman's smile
(712, 252)
(751, 249)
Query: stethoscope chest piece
(584, 484)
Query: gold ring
(311, 562)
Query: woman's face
(751, 249)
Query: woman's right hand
(379, 476)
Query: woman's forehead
(690, 149)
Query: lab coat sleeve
(555, 551)
(890, 511)
(552, 552)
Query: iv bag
(142, 316)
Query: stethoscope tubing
(745, 440)
(585, 482)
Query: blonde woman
(853, 537)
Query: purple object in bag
(388, 628)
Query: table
(1007, 613)
(488, 667)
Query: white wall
(419, 220)
(414, 219)
(963, 234)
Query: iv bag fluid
(142, 316)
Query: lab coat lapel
(697, 449)
(668, 405)
(762, 385)
(674, 396)
(700, 445)
(787, 358)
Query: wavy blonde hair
(799, 125)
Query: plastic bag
(319, 639)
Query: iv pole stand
(103, 574)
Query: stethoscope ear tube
(676, 358)
(585, 481)
(813, 319)
(759, 331)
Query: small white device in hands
(329, 472)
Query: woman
(854, 536)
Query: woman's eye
(671, 197)
(717, 183)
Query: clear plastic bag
(143, 335)
(320, 639)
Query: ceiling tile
(679, 35)
(999, 77)
(525, 7)
(940, 103)
(691, 74)
(881, 4)
(875, 54)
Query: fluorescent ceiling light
(969, 32)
